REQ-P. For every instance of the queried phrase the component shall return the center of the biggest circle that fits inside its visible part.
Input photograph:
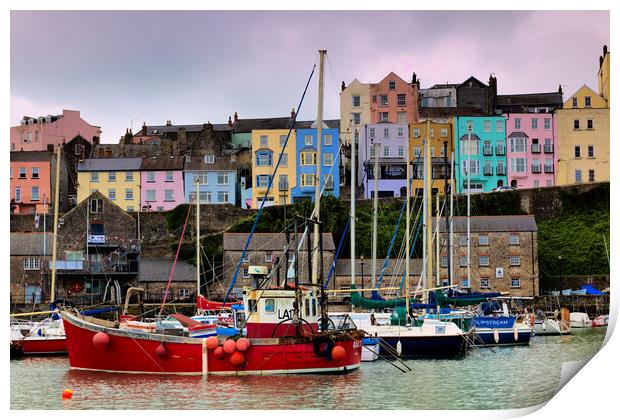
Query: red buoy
(230, 346)
(237, 359)
(67, 394)
(212, 343)
(101, 340)
(161, 350)
(243, 344)
(219, 352)
(338, 353)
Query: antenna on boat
(198, 236)
(319, 165)
(55, 237)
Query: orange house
(394, 100)
(33, 180)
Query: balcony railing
(283, 186)
(487, 151)
(548, 148)
(535, 169)
(535, 148)
(92, 267)
(501, 170)
(500, 150)
(548, 169)
(488, 170)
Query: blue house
(483, 139)
(306, 148)
(218, 180)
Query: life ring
(323, 346)
(76, 287)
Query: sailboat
(46, 336)
(282, 327)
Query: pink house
(161, 183)
(42, 132)
(530, 154)
(394, 100)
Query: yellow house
(440, 132)
(354, 109)
(117, 179)
(266, 148)
(603, 75)
(583, 139)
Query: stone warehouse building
(30, 253)
(264, 250)
(154, 276)
(504, 254)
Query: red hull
(43, 346)
(138, 353)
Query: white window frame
(169, 176)
(150, 176)
(226, 179)
(128, 194)
(150, 195)
(94, 177)
(168, 195)
(32, 193)
(128, 176)
(327, 140)
(263, 141)
(112, 194)
(308, 140)
(517, 123)
(486, 258)
(328, 159)
(31, 264)
(484, 242)
(222, 196)
(514, 239)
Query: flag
(36, 221)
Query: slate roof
(158, 269)
(518, 134)
(246, 125)
(222, 163)
(466, 137)
(269, 241)
(449, 112)
(394, 268)
(444, 86)
(162, 163)
(548, 98)
(31, 243)
(31, 156)
(518, 223)
(113, 164)
(161, 129)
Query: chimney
(343, 86)
(293, 113)
(229, 121)
(168, 123)
(560, 89)
(236, 117)
(144, 128)
(604, 50)
(414, 79)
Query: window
(590, 124)
(473, 170)
(518, 165)
(31, 263)
(263, 159)
(483, 240)
(112, 194)
(18, 194)
(463, 261)
(328, 181)
(517, 145)
(35, 173)
(222, 178)
(575, 105)
(264, 141)
(94, 176)
(577, 151)
(591, 151)
(283, 182)
(401, 151)
(416, 132)
(203, 178)
(536, 167)
(465, 283)
(499, 126)
(129, 194)
(262, 180)
(328, 159)
(128, 176)
(591, 175)
(150, 195)
(372, 132)
(384, 117)
(485, 283)
(246, 272)
(514, 240)
(22, 173)
(222, 197)
(392, 85)
(386, 151)
(183, 293)
(78, 149)
(576, 124)
(150, 177)
(401, 117)
(327, 140)
(282, 140)
(308, 158)
(400, 99)
(515, 282)
(307, 180)
(372, 151)
(432, 152)
(536, 183)
(268, 257)
(469, 147)
(168, 195)
(534, 123)
(284, 160)
(517, 123)
(463, 240)
(444, 261)
(400, 131)
(96, 205)
(356, 101)
(515, 260)
(487, 126)
(577, 175)
(209, 158)
(588, 101)
(383, 100)
(432, 133)
(169, 176)
(444, 132)
(417, 151)
(547, 123)
(270, 305)
(483, 260)
(308, 140)
(356, 117)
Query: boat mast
(319, 164)
(407, 228)
(469, 206)
(429, 197)
(437, 220)
(353, 191)
(197, 236)
(374, 216)
(451, 236)
(55, 237)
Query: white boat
(601, 321)
(550, 323)
(580, 320)
(370, 349)
(566, 292)
(579, 292)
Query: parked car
(504, 188)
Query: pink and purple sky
(123, 67)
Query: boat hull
(38, 346)
(131, 352)
(551, 327)
(424, 346)
(502, 337)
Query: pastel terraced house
(217, 176)
(530, 149)
(161, 183)
(117, 179)
(482, 142)
(43, 133)
(441, 139)
(393, 100)
(33, 182)
(390, 141)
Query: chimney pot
(293, 113)
(343, 86)
(236, 117)
(229, 121)
(168, 122)
(604, 50)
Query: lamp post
(362, 264)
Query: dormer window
(209, 158)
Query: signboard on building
(96, 239)
(499, 272)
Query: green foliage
(175, 218)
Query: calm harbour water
(501, 378)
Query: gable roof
(268, 241)
(112, 164)
(531, 99)
(472, 78)
(174, 128)
(482, 224)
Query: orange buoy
(243, 344)
(219, 352)
(161, 350)
(230, 346)
(338, 353)
(212, 343)
(67, 394)
(237, 359)
(101, 340)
